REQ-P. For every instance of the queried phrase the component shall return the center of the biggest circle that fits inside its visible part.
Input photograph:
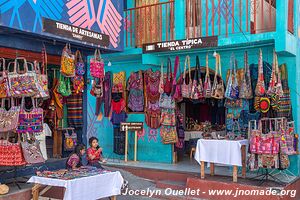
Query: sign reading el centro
(75, 32)
(177, 45)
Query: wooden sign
(185, 44)
(132, 126)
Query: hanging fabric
(207, 82)
(64, 87)
(135, 88)
(218, 84)
(260, 86)
(169, 79)
(197, 87)
(232, 88)
(285, 106)
(161, 81)
(75, 110)
(246, 87)
(107, 93)
(187, 88)
(176, 92)
(67, 62)
(4, 87)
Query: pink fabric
(73, 160)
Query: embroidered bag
(11, 154)
(119, 82)
(24, 84)
(186, 88)
(246, 87)
(260, 86)
(255, 138)
(285, 108)
(70, 140)
(97, 65)
(168, 117)
(197, 87)
(152, 118)
(79, 64)
(67, 62)
(218, 84)
(161, 81)
(232, 88)
(152, 86)
(273, 80)
(32, 152)
(64, 86)
(30, 121)
(166, 101)
(169, 79)
(9, 118)
(168, 134)
(177, 93)
(78, 84)
(207, 81)
(4, 88)
(42, 81)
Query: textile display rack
(268, 174)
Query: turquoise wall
(150, 149)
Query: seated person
(75, 159)
(94, 153)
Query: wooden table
(215, 151)
(235, 167)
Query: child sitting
(75, 159)
(94, 153)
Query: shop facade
(239, 27)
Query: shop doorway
(201, 118)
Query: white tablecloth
(87, 188)
(226, 152)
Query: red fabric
(93, 152)
(118, 107)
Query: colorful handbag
(67, 62)
(32, 152)
(169, 79)
(207, 81)
(278, 87)
(70, 140)
(97, 65)
(232, 88)
(166, 101)
(285, 108)
(42, 81)
(186, 88)
(24, 84)
(161, 81)
(119, 82)
(217, 91)
(197, 87)
(273, 80)
(9, 118)
(11, 154)
(78, 84)
(260, 86)
(246, 87)
(79, 64)
(4, 88)
(168, 117)
(177, 93)
(255, 138)
(30, 121)
(168, 134)
(64, 86)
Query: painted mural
(103, 16)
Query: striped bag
(285, 106)
(75, 114)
